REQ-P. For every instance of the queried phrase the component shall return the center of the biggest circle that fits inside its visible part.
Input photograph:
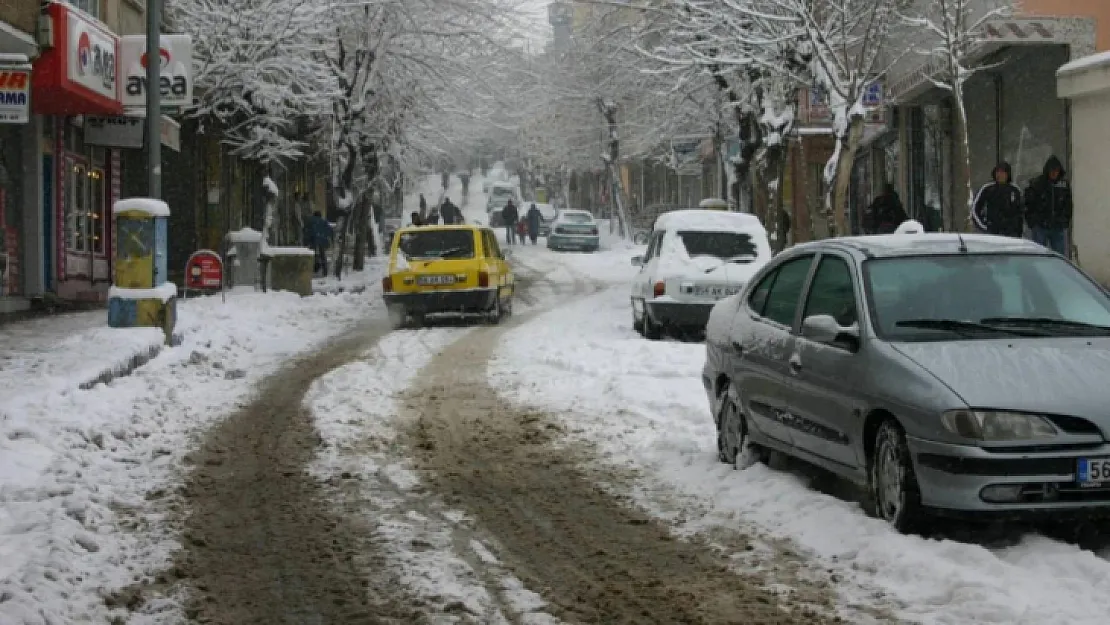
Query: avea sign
(175, 61)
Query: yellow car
(447, 269)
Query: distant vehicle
(447, 269)
(948, 374)
(694, 259)
(496, 174)
(574, 230)
(500, 193)
(495, 220)
(389, 228)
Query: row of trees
(736, 69)
(376, 87)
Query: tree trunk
(959, 218)
(361, 217)
(846, 158)
(612, 164)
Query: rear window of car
(438, 244)
(719, 244)
(577, 218)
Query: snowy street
(295, 460)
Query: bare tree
(953, 33)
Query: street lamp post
(154, 99)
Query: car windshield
(438, 244)
(973, 296)
(723, 245)
(577, 218)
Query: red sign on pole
(204, 270)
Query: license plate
(435, 280)
(1093, 470)
(715, 292)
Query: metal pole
(154, 99)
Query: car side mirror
(825, 329)
(637, 261)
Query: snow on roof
(710, 220)
(246, 235)
(910, 226)
(165, 292)
(152, 207)
(271, 186)
(1086, 62)
(289, 251)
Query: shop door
(86, 221)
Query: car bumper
(952, 479)
(563, 241)
(432, 302)
(680, 314)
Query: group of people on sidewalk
(517, 228)
(1002, 208)
(447, 212)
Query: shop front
(17, 132)
(75, 83)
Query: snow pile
(246, 235)
(84, 473)
(643, 404)
(708, 221)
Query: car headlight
(991, 425)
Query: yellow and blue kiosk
(140, 295)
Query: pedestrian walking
(318, 235)
(450, 213)
(999, 206)
(510, 216)
(433, 219)
(416, 220)
(534, 217)
(465, 178)
(885, 213)
(423, 205)
(1048, 206)
(446, 178)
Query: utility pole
(154, 98)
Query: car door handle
(795, 364)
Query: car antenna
(963, 245)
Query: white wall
(1088, 90)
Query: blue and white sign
(873, 95)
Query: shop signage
(92, 57)
(128, 132)
(15, 94)
(176, 62)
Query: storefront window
(92, 7)
(86, 208)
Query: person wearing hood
(534, 217)
(510, 216)
(1048, 206)
(886, 212)
(998, 207)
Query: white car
(574, 230)
(500, 193)
(694, 258)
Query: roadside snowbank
(642, 403)
(82, 472)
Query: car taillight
(387, 284)
(483, 279)
(660, 289)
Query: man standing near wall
(998, 207)
(1048, 207)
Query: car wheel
(397, 316)
(637, 322)
(494, 315)
(416, 320)
(892, 484)
(652, 330)
(733, 444)
(507, 307)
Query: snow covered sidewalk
(85, 474)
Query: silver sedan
(946, 374)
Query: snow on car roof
(574, 211)
(504, 185)
(708, 220)
(931, 243)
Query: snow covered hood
(1053, 375)
(675, 261)
(709, 221)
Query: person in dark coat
(318, 235)
(416, 220)
(534, 218)
(886, 212)
(510, 215)
(423, 205)
(450, 213)
(433, 219)
(998, 206)
(1048, 206)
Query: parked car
(574, 230)
(946, 373)
(447, 269)
(548, 213)
(500, 193)
(694, 258)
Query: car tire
(733, 443)
(416, 320)
(652, 330)
(637, 322)
(397, 316)
(493, 317)
(507, 307)
(892, 487)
